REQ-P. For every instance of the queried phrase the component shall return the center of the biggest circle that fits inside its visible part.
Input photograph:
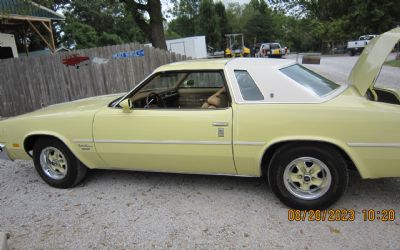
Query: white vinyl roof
(274, 85)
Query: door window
(183, 90)
(204, 80)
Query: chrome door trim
(242, 143)
(81, 140)
(367, 144)
(249, 143)
(165, 142)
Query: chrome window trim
(134, 88)
(156, 72)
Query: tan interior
(217, 100)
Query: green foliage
(195, 17)
(302, 25)
(336, 20)
(208, 23)
(393, 63)
(80, 35)
(223, 23)
(183, 25)
(98, 23)
(260, 23)
(256, 20)
(169, 34)
(105, 39)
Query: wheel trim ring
(317, 192)
(55, 168)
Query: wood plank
(44, 80)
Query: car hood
(87, 104)
(366, 70)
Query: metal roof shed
(17, 11)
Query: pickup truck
(271, 50)
(355, 47)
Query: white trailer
(8, 48)
(194, 47)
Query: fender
(84, 152)
(357, 161)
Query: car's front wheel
(56, 165)
(308, 177)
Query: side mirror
(126, 105)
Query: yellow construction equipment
(235, 46)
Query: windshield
(362, 38)
(163, 82)
(275, 46)
(309, 79)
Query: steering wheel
(154, 97)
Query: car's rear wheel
(308, 177)
(56, 165)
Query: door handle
(220, 124)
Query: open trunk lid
(366, 70)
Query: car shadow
(198, 181)
(360, 192)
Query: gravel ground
(134, 210)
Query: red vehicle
(75, 60)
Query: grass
(393, 63)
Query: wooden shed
(14, 13)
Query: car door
(166, 139)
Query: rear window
(312, 81)
(247, 86)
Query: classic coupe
(243, 117)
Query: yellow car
(241, 117)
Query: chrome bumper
(3, 153)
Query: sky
(236, 1)
(166, 5)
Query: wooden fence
(29, 83)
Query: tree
(98, 23)
(183, 26)
(234, 14)
(260, 24)
(153, 27)
(79, 35)
(185, 13)
(207, 23)
(223, 22)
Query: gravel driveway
(338, 68)
(133, 210)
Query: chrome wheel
(53, 163)
(307, 178)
